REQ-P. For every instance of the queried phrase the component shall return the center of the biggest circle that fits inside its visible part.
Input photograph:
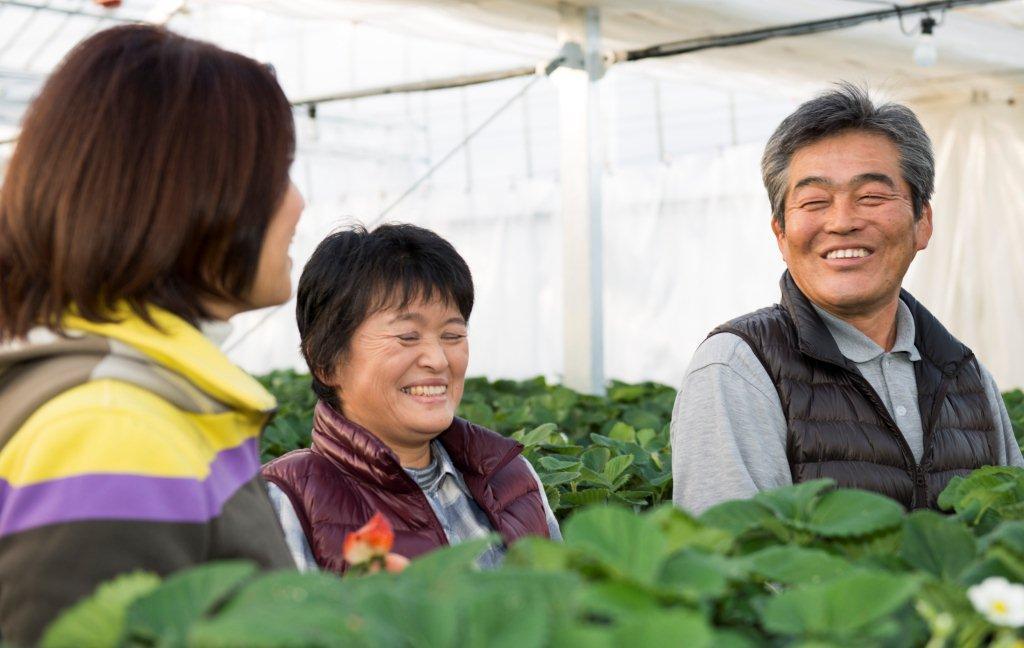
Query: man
(848, 377)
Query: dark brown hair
(355, 273)
(146, 171)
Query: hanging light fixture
(926, 54)
(108, 4)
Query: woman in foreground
(147, 200)
(383, 318)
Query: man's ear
(780, 236)
(923, 228)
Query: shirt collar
(858, 347)
(440, 466)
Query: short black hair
(355, 273)
(849, 108)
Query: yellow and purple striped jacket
(124, 447)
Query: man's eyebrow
(814, 180)
(456, 320)
(865, 178)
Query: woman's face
(273, 284)
(404, 372)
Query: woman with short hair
(383, 318)
(148, 199)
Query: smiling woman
(383, 318)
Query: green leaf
(578, 634)
(794, 502)
(622, 432)
(539, 554)
(615, 467)
(539, 434)
(287, 608)
(839, 608)
(848, 512)
(736, 516)
(792, 565)
(558, 478)
(937, 544)
(588, 497)
(98, 621)
(1009, 535)
(623, 543)
(558, 464)
(596, 458)
(682, 531)
(165, 615)
(654, 628)
(617, 599)
(695, 575)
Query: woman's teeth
(852, 253)
(439, 390)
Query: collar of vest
(476, 452)
(931, 338)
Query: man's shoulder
(728, 350)
(756, 323)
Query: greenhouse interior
(598, 165)
(685, 242)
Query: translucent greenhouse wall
(686, 219)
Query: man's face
(850, 232)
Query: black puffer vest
(838, 426)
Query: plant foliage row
(802, 565)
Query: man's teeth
(439, 390)
(852, 253)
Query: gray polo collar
(429, 478)
(858, 347)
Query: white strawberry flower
(999, 601)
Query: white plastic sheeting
(972, 274)
(686, 221)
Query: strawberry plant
(802, 565)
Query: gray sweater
(729, 431)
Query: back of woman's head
(146, 172)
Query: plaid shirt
(460, 516)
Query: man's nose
(842, 217)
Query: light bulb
(926, 53)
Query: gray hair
(849, 108)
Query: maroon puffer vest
(348, 474)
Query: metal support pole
(580, 132)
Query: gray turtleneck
(729, 431)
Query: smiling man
(848, 377)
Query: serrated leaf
(736, 516)
(847, 512)
(936, 544)
(558, 464)
(622, 432)
(794, 502)
(681, 627)
(792, 565)
(165, 615)
(839, 608)
(624, 543)
(586, 497)
(539, 434)
(595, 459)
(98, 621)
(557, 478)
(616, 466)
(695, 575)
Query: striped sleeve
(103, 493)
